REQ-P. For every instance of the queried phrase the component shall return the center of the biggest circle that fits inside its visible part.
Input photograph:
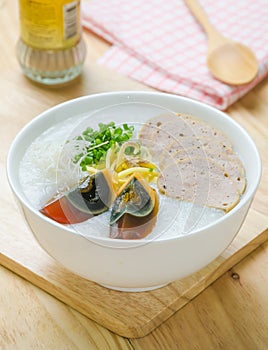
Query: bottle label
(50, 24)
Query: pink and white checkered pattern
(159, 43)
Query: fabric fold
(160, 44)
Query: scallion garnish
(99, 141)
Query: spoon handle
(202, 18)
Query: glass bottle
(51, 49)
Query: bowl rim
(127, 93)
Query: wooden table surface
(230, 314)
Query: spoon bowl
(232, 63)
(227, 60)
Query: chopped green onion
(99, 141)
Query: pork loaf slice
(182, 125)
(206, 130)
(189, 147)
(200, 181)
(153, 124)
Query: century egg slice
(135, 197)
(134, 227)
(93, 196)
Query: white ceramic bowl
(125, 264)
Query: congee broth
(163, 176)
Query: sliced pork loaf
(203, 129)
(200, 181)
(197, 161)
(233, 168)
(156, 123)
(166, 135)
(181, 126)
(231, 164)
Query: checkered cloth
(159, 42)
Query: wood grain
(219, 318)
(30, 318)
(44, 323)
(230, 314)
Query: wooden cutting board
(127, 314)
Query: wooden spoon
(228, 61)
